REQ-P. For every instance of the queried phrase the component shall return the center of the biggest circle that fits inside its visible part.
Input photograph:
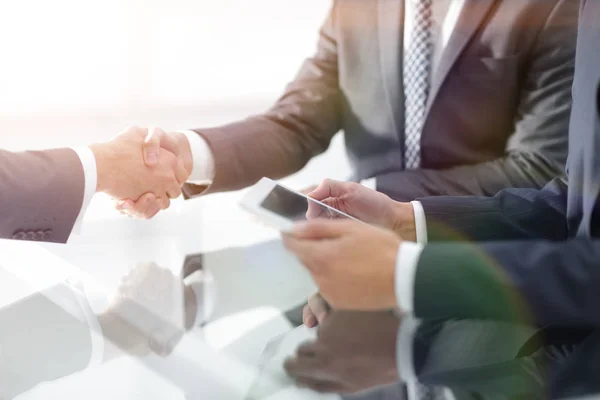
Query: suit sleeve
(545, 283)
(513, 214)
(41, 194)
(281, 141)
(537, 149)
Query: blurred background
(73, 72)
(77, 71)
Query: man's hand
(316, 311)
(122, 172)
(353, 264)
(156, 141)
(367, 205)
(150, 311)
(354, 351)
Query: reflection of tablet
(281, 207)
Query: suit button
(20, 235)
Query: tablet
(281, 207)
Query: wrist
(404, 224)
(102, 154)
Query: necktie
(417, 65)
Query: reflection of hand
(366, 205)
(123, 174)
(315, 311)
(354, 351)
(157, 141)
(353, 264)
(148, 310)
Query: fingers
(157, 139)
(151, 146)
(146, 207)
(320, 386)
(319, 307)
(322, 229)
(174, 191)
(303, 249)
(308, 317)
(329, 188)
(181, 173)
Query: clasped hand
(143, 168)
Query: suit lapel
(471, 18)
(390, 40)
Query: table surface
(256, 281)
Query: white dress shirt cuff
(406, 268)
(90, 174)
(404, 348)
(420, 222)
(370, 183)
(203, 170)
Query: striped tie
(417, 65)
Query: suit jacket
(497, 115)
(40, 194)
(545, 269)
(556, 277)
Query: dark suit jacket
(497, 115)
(549, 273)
(40, 194)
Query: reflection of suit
(552, 283)
(40, 194)
(43, 337)
(499, 102)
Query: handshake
(143, 169)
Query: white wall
(77, 71)
(72, 71)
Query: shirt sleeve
(404, 348)
(420, 222)
(406, 266)
(90, 173)
(203, 171)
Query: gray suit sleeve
(41, 194)
(536, 151)
(281, 141)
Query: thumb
(329, 188)
(151, 146)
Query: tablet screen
(296, 207)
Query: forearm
(513, 214)
(42, 194)
(246, 151)
(541, 283)
(517, 170)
